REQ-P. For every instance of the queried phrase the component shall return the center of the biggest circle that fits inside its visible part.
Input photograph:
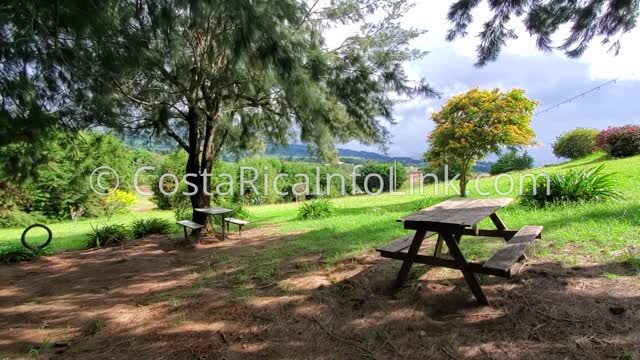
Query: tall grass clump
(11, 253)
(316, 209)
(574, 186)
(109, 235)
(142, 227)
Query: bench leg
(185, 234)
(495, 219)
(408, 262)
(452, 238)
(438, 251)
(224, 225)
(239, 230)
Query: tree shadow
(211, 302)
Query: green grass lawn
(67, 236)
(602, 232)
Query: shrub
(116, 202)
(620, 141)
(576, 143)
(316, 209)
(142, 227)
(511, 161)
(573, 186)
(382, 169)
(239, 211)
(109, 235)
(17, 219)
(11, 253)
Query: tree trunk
(199, 163)
(463, 179)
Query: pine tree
(608, 19)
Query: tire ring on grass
(40, 247)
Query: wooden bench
(513, 250)
(188, 224)
(401, 245)
(238, 222)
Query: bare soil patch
(153, 300)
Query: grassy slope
(601, 232)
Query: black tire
(40, 247)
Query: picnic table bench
(450, 220)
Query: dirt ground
(153, 300)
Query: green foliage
(63, 184)
(118, 201)
(384, 170)
(606, 20)
(479, 122)
(109, 235)
(425, 202)
(574, 186)
(511, 161)
(239, 211)
(316, 209)
(142, 227)
(11, 253)
(576, 143)
(172, 164)
(436, 168)
(18, 219)
(620, 141)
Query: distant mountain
(300, 152)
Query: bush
(142, 227)
(17, 219)
(382, 169)
(11, 253)
(316, 209)
(109, 235)
(511, 161)
(576, 143)
(573, 186)
(239, 211)
(116, 202)
(620, 141)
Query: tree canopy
(479, 122)
(608, 20)
(213, 75)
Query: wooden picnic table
(216, 210)
(450, 220)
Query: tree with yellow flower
(472, 125)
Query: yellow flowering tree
(477, 123)
(116, 202)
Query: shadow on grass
(234, 300)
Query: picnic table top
(214, 210)
(464, 212)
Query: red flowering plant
(620, 141)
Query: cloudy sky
(547, 77)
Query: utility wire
(576, 97)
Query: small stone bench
(238, 222)
(188, 224)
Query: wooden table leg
(452, 238)
(223, 226)
(438, 251)
(408, 262)
(501, 227)
(495, 219)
